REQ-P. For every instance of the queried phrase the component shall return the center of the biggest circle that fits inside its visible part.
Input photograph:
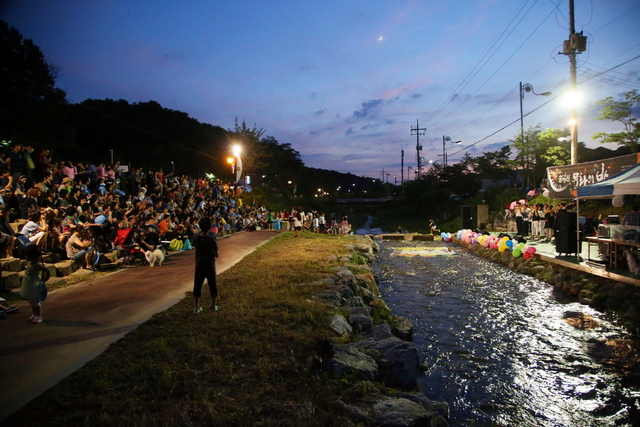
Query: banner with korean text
(564, 180)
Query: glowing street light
(236, 149)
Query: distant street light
(446, 139)
(527, 87)
(173, 169)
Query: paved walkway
(81, 321)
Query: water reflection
(501, 349)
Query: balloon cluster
(517, 249)
(446, 236)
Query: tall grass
(254, 363)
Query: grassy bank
(253, 363)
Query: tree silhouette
(32, 110)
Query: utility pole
(382, 173)
(577, 43)
(418, 131)
(402, 169)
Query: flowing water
(501, 349)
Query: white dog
(154, 257)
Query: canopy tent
(624, 183)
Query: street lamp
(173, 169)
(236, 152)
(527, 87)
(446, 139)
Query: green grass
(256, 362)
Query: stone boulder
(361, 322)
(355, 302)
(50, 258)
(398, 361)
(364, 311)
(393, 411)
(348, 359)
(368, 281)
(10, 264)
(400, 412)
(10, 280)
(335, 296)
(65, 268)
(403, 329)
(340, 326)
(379, 332)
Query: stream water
(501, 349)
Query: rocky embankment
(599, 292)
(373, 347)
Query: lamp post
(173, 168)
(527, 87)
(446, 139)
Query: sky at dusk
(344, 81)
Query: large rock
(403, 329)
(65, 268)
(10, 264)
(368, 281)
(349, 359)
(379, 332)
(50, 258)
(398, 361)
(352, 311)
(10, 280)
(361, 322)
(335, 296)
(346, 276)
(400, 412)
(53, 272)
(355, 302)
(339, 325)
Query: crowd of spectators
(71, 207)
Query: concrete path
(81, 321)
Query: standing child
(206, 254)
(34, 278)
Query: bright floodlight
(571, 99)
(230, 160)
(236, 150)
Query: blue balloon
(509, 243)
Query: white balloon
(618, 201)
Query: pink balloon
(531, 250)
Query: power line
(469, 75)
(495, 72)
(539, 107)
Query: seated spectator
(30, 203)
(80, 247)
(36, 230)
(7, 234)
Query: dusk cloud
(369, 108)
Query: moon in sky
(380, 39)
